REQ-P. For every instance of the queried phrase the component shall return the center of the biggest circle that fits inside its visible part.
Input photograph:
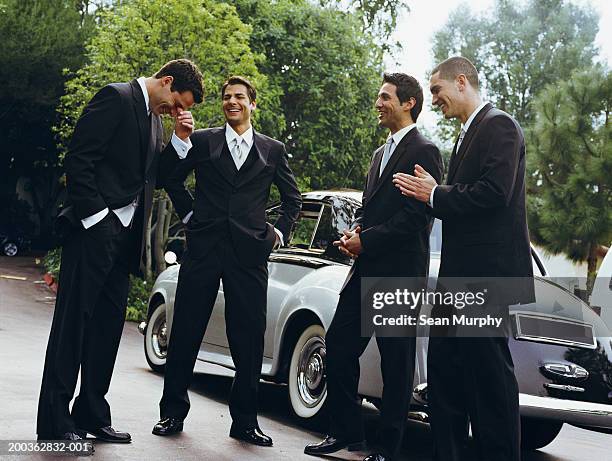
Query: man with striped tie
(389, 238)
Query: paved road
(26, 309)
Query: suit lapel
(217, 140)
(141, 115)
(262, 148)
(154, 132)
(465, 144)
(397, 153)
(373, 172)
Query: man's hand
(355, 243)
(418, 186)
(183, 126)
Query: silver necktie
(386, 155)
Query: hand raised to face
(183, 126)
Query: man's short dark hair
(452, 67)
(238, 80)
(186, 77)
(406, 87)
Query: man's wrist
(431, 196)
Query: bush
(52, 261)
(138, 299)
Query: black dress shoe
(168, 426)
(70, 436)
(252, 435)
(108, 434)
(331, 445)
(376, 457)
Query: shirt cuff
(94, 218)
(280, 236)
(431, 195)
(181, 147)
(187, 217)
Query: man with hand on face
(111, 170)
(228, 239)
(484, 234)
(390, 238)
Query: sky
(416, 29)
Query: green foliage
(571, 161)
(52, 262)
(138, 299)
(40, 40)
(378, 17)
(519, 49)
(135, 38)
(328, 72)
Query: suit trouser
(473, 379)
(87, 325)
(345, 345)
(245, 292)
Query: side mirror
(170, 257)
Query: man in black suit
(111, 169)
(390, 238)
(228, 239)
(484, 234)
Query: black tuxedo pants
(472, 379)
(87, 325)
(245, 292)
(344, 347)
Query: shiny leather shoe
(168, 426)
(252, 435)
(71, 436)
(108, 434)
(376, 457)
(331, 445)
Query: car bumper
(569, 411)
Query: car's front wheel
(156, 338)
(10, 249)
(307, 380)
(537, 433)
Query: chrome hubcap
(10, 249)
(311, 372)
(159, 337)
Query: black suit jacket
(231, 205)
(482, 205)
(395, 228)
(113, 158)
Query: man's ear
(167, 80)
(253, 105)
(408, 105)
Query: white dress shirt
(126, 213)
(245, 141)
(464, 129)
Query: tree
(136, 38)
(519, 49)
(571, 162)
(41, 41)
(378, 17)
(328, 72)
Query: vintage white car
(562, 379)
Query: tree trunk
(169, 210)
(148, 272)
(591, 268)
(160, 263)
